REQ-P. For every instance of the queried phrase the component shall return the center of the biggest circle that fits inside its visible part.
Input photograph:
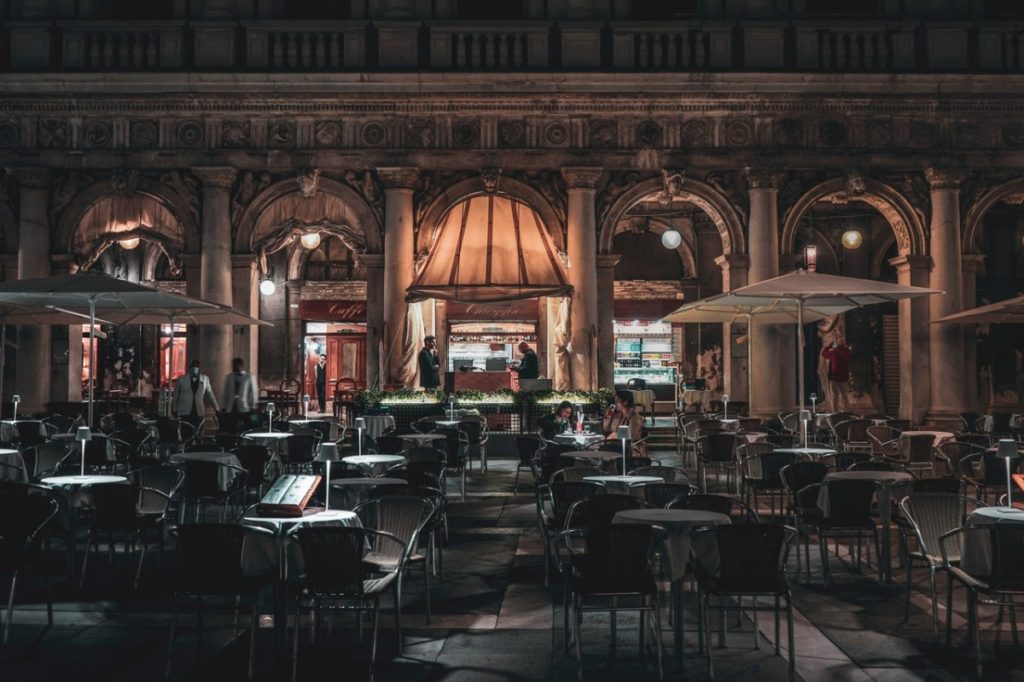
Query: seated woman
(557, 421)
(623, 413)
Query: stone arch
(298, 257)
(8, 228)
(907, 225)
(464, 189)
(68, 222)
(972, 225)
(684, 251)
(705, 197)
(878, 256)
(361, 214)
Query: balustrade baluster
(293, 49)
(152, 59)
(502, 47)
(92, 51)
(460, 49)
(108, 50)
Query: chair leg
(778, 611)
(792, 642)
(253, 629)
(199, 627)
(376, 631)
(142, 557)
(906, 597)
(90, 538)
(949, 608)
(976, 629)
(707, 628)
(577, 618)
(295, 637)
(935, 602)
(10, 607)
(757, 628)
(398, 611)
(170, 638)
(426, 591)
(823, 551)
(657, 637)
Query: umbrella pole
(3, 357)
(92, 354)
(750, 364)
(800, 360)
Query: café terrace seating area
(837, 546)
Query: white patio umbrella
(812, 292)
(1010, 311)
(91, 292)
(34, 316)
(723, 309)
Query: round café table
(272, 439)
(677, 547)
(939, 436)
(376, 465)
(810, 453)
(12, 458)
(349, 493)
(225, 476)
(448, 423)
(977, 550)
(580, 441)
(421, 440)
(74, 493)
(885, 481)
(623, 483)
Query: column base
(944, 416)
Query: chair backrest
(563, 494)
(526, 447)
(632, 464)
(399, 515)
(333, 557)
(618, 559)
(574, 473)
(717, 447)
(780, 440)
(254, 459)
(874, 465)
(744, 450)
(321, 426)
(849, 503)
(168, 430)
(879, 435)
(841, 461)
(1001, 422)
(24, 514)
(969, 421)
(30, 432)
(211, 557)
(994, 468)
(165, 478)
(853, 431)
(766, 468)
(202, 478)
(750, 558)
(933, 514)
(115, 506)
(546, 466)
(425, 424)
(720, 504)
(917, 449)
(44, 459)
(660, 494)
(837, 418)
(424, 454)
(601, 509)
(301, 448)
(935, 485)
(956, 451)
(798, 475)
(388, 445)
(667, 474)
(473, 428)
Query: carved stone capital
(762, 178)
(31, 177)
(399, 177)
(370, 261)
(733, 261)
(972, 262)
(912, 262)
(945, 178)
(220, 177)
(608, 260)
(582, 177)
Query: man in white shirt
(191, 393)
(239, 394)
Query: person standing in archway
(837, 355)
(321, 382)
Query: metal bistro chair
(612, 563)
(716, 451)
(574, 473)
(848, 516)
(915, 453)
(800, 480)
(526, 448)
(660, 495)
(665, 473)
(475, 429)
(719, 504)
(337, 577)
(600, 510)
(204, 484)
(551, 517)
(852, 435)
(25, 513)
(762, 474)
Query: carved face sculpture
(308, 182)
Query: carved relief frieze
(97, 134)
(373, 134)
(327, 134)
(236, 133)
(65, 188)
(247, 186)
(420, 133)
(143, 135)
(186, 186)
(511, 134)
(53, 133)
(603, 134)
(281, 134)
(618, 183)
(370, 188)
(696, 133)
(190, 134)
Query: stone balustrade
(137, 46)
(305, 46)
(499, 47)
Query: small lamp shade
(725, 397)
(83, 434)
(622, 432)
(16, 398)
(270, 407)
(805, 415)
(1007, 449)
(360, 423)
(814, 397)
(327, 452)
(305, 398)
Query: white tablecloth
(678, 525)
(977, 556)
(376, 465)
(623, 484)
(421, 440)
(225, 477)
(377, 424)
(812, 453)
(940, 436)
(263, 554)
(12, 458)
(348, 493)
(578, 441)
(692, 397)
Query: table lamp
(1007, 450)
(83, 436)
(579, 419)
(451, 408)
(15, 399)
(360, 425)
(814, 403)
(305, 406)
(270, 417)
(725, 406)
(623, 434)
(327, 453)
(805, 417)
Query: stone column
(32, 373)
(374, 264)
(914, 342)
(215, 342)
(295, 352)
(947, 341)
(399, 265)
(972, 264)
(245, 297)
(581, 231)
(773, 388)
(735, 360)
(606, 263)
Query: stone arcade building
(228, 143)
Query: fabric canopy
(1010, 311)
(725, 308)
(491, 248)
(207, 314)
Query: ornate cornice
(912, 262)
(398, 177)
(945, 178)
(582, 177)
(608, 260)
(220, 177)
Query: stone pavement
(493, 620)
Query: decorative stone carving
(788, 132)
(65, 190)
(923, 134)
(695, 133)
(739, 133)
(490, 177)
(52, 133)
(944, 178)
(618, 183)
(370, 188)
(966, 134)
(582, 177)
(511, 134)
(879, 132)
(672, 186)
(1013, 134)
(556, 134)
(281, 133)
(248, 186)
(186, 187)
(374, 134)
(832, 132)
(604, 134)
(759, 178)
(398, 177)
(124, 181)
(466, 134)
(190, 134)
(221, 177)
(327, 134)
(97, 134)
(648, 134)
(291, 230)
(731, 185)
(144, 135)
(236, 133)
(308, 180)
(10, 134)
(419, 133)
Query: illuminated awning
(491, 248)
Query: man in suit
(191, 393)
(430, 368)
(321, 382)
(529, 366)
(239, 392)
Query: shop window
(332, 261)
(336, 10)
(662, 10)
(150, 10)
(172, 353)
(643, 257)
(475, 10)
(841, 7)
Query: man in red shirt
(838, 358)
